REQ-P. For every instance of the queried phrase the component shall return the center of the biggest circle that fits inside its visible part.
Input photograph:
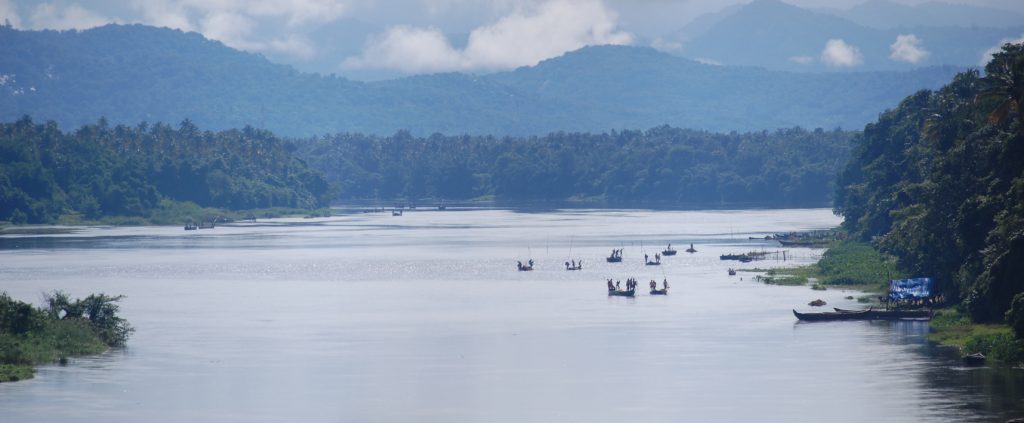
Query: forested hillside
(101, 170)
(939, 183)
(136, 73)
(664, 165)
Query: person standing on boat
(654, 285)
(664, 283)
(646, 260)
(611, 286)
(617, 286)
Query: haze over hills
(885, 14)
(137, 73)
(780, 36)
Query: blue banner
(910, 289)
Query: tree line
(938, 182)
(662, 165)
(100, 170)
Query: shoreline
(950, 327)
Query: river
(423, 317)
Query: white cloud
(907, 48)
(72, 16)
(801, 60)
(521, 38)
(9, 12)
(838, 53)
(253, 25)
(706, 61)
(987, 55)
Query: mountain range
(136, 73)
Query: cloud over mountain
(907, 48)
(838, 53)
(522, 38)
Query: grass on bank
(849, 264)
(859, 266)
(66, 328)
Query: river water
(423, 317)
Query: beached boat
(892, 314)
(869, 314)
(618, 293)
(829, 316)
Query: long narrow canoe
(832, 316)
(868, 314)
(659, 292)
(621, 293)
(893, 314)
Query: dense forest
(662, 165)
(101, 170)
(938, 182)
(135, 73)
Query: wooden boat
(618, 293)
(869, 314)
(653, 263)
(691, 250)
(892, 314)
(668, 251)
(829, 316)
(613, 259)
(976, 359)
(659, 292)
(191, 226)
(576, 267)
(396, 212)
(732, 272)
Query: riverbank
(168, 213)
(859, 266)
(66, 328)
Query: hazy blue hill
(884, 14)
(138, 73)
(770, 33)
(638, 87)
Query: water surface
(369, 317)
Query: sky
(414, 36)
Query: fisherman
(531, 263)
(654, 285)
(645, 259)
(617, 286)
(611, 286)
(664, 283)
(519, 265)
(573, 264)
(566, 265)
(580, 265)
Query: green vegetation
(848, 264)
(938, 183)
(147, 173)
(662, 165)
(135, 73)
(64, 328)
(952, 327)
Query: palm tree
(1004, 77)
